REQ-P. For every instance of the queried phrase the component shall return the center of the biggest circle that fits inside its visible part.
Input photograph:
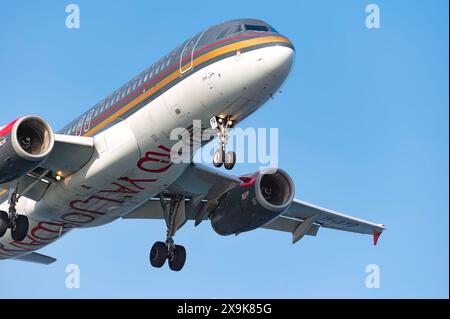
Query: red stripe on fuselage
(8, 128)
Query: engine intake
(24, 145)
(261, 197)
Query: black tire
(21, 230)
(179, 258)
(230, 160)
(158, 254)
(218, 158)
(4, 221)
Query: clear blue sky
(363, 123)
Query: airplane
(115, 160)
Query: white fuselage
(131, 162)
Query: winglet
(376, 235)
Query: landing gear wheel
(230, 160)
(219, 157)
(178, 259)
(19, 232)
(4, 221)
(175, 254)
(158, 254)
(223, 124)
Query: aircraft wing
(203, 185)
(303, 218)
(69, 155)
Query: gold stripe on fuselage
(167, 80)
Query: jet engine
(260, 198)
(24, 144)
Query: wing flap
(151, 209)
(289, 225)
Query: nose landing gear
(227, 159)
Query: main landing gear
(18, 224)
(228, 159)
(162, 251)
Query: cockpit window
(236, 29)
(260, 28)
(223, 33)
(230, 31)
(244, 27)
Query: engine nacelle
(24, 145)
(252, 204)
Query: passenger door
(187, 55)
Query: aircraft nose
(276, 63)
(280, 62)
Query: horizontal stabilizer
(37, 258)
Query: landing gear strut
(18, 224)
(162, 251)
(220, 157)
